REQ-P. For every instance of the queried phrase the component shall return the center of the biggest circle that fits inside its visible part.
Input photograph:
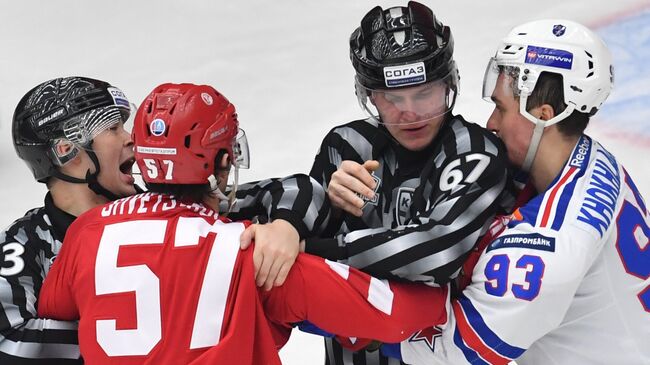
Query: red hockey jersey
(156, 281)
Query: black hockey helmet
(75, 109)
(391, 47)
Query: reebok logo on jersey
(397, 76)
(549, 57)
(580, 153)
(534, 241)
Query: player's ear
(372, 98)
(63, 148)
(66, 151)
(222, 166)
(546, 112)
(222, 161)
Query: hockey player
(567, 281)
(159, 277)
(413, 185)
(70, 133)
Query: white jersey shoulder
(567, 281)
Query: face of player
(114, 150)
(413, 115)
(512, 128)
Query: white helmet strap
(230, 198)
(539, 128)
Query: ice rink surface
(285, 66)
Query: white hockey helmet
(558, 46)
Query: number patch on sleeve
(11, 253)
(497, 271)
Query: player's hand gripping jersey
(566, 282)
(31, 242)
(156, 281)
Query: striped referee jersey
(432, 208)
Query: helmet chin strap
(90, 179)
(230, 198)
(539, 129)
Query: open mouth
(126, 166)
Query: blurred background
(285, 66)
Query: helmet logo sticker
(157, 127)
(155, 150)
(549, 57)
(53, 116)
(559, 30)
(404, 75)
(118, 97)
(218, 132)
(207, 99)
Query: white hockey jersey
(566, 282)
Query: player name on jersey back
(141, 205)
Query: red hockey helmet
(178, 131)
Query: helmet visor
(240, 150)
(491, 79)
(409, 105)
(82, 128)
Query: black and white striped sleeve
(25, 338)
(298, 199)
(336, 147)
(459, 194)
(357, 141)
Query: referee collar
(60, 220)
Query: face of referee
(413, 115)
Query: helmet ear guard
(62, 151)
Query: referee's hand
(350, 184)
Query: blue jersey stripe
(470, 355)
(485, 333)
(528, 212)
(567, 193)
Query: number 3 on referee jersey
(110, 279)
